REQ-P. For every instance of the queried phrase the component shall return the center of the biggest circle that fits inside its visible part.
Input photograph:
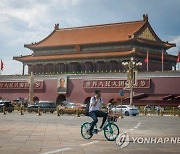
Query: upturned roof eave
(158, 41)
(31, 47)
(83, 56)
(162, 44)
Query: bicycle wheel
(85, 130)
(111, 131)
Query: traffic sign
(121, 92)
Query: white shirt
(93, 101)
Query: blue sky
(26, 21)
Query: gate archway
(111, 100)
(60, 99)
(87, 100)
(35, 99)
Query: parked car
(71, 108)
(126, 110)
(45, 106)
(76, 105)
(64, 103)
(32, 108)
(8, 106)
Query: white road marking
(89, 143)
(56, 151)
(85, 144)
(131, 129)
(65, 149)
(139, 123)
(135, 127)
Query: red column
(94, 67)
(43, 72)
(23, 69)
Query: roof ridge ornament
(56, 27)
(145, 17)
(131, 36)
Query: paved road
(32, 134)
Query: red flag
(178, 58)
(2, 65)
(146, 60)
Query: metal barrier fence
(174, 111)
(39, 111)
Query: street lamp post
(31, 87)
(131, 68)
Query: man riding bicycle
(94, 112)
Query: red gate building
(82, 59)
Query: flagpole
(0, 66)
(178, 59)
(162, 59)
(147, 60)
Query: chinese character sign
(141, 83)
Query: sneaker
(100, 129)
(90, 133)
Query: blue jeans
(94, 115)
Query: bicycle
(111, 130)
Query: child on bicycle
(94, 112)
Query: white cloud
(32, 15)
(26, 21)
(177, 41)
(175, 50)
(36, 14)
(11, 67)
(65, 4)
